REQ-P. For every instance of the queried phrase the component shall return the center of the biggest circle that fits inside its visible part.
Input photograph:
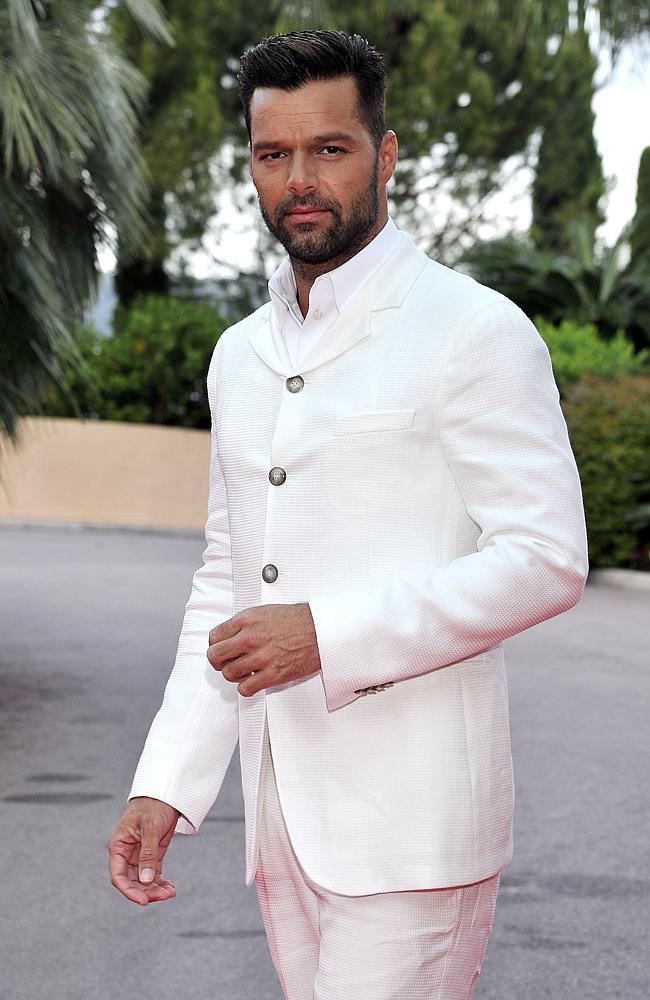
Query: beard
(313, 245)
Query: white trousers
(425, 944)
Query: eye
(332, 150)
(275, 155)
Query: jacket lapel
(387, 289)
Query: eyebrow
(322, 139)
(334, 137)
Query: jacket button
(277, 476)
(295, 383)
(270, 573)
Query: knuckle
(256, 639)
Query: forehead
(319, 105)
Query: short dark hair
(290, 60)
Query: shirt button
(317, 314)
(277, 476)
(295, 383)
(270, 573)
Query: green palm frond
(71, 175)
(148, 14)
(587, 286)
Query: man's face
(320, 180)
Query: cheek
(270, 188)
(346, 184)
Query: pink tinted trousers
(426, 944)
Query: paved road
(89, 628)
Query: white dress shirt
(329, 294)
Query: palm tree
(71, 175)
(585, 285)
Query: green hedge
(609, 427)
(576, 349)
(152, 370)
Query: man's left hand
(264, 646)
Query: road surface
(90, 621)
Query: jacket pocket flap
(378, 420)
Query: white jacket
(431, 509)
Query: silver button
(270, 573)
(277, 475)
(295, 383)
(317, 314)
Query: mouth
(306, 214)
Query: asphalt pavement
(89, 624)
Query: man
(392, 494)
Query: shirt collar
(343, 281)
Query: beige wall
(105, 472)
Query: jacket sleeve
(506, 443)
(193, 736)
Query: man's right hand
(136, 848)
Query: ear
(387, 157)
(250, 164)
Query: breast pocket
(377, 420)
(371, 459)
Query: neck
(306, 273)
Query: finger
(119, 853)
(256, 682)
(243, 668)
(227, 649)
(226, 629)
(160, 890)
(143, 895)
(122, 876)
(149, 860)
(132, 890)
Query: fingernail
(146, 875)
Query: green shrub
(609, 425)
(576, 349)
(153, 368)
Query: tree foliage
(640, 236)
(71, 171)
(569, 179)
(191, 107)
(467, 94)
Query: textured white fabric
(431, 509)
(426, 944)
(329, 294)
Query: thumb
(149, 852)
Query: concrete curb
(620, 579)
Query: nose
(301, 179)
